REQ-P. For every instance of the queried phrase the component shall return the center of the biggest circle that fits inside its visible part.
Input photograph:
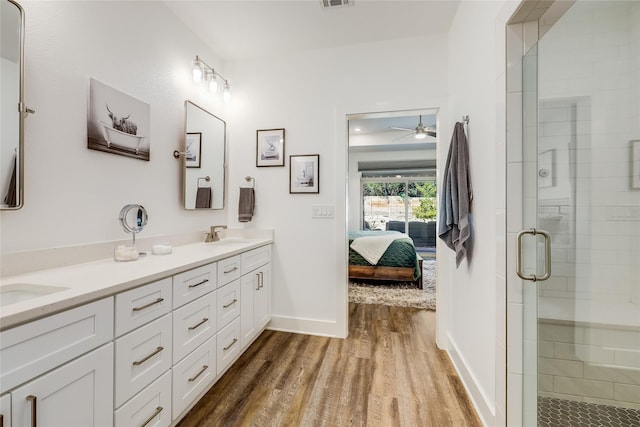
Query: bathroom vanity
(129, 344)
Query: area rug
(401, 294)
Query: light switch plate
(322, 211)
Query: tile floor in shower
(554, 412)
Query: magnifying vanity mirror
(12, 108)
(133, 218)
(203, 159)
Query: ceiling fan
(420, 131)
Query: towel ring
(206, 178)
(252, 180)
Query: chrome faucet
(213, 236)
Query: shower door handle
(547, 255)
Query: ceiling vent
(335, 3)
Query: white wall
(309, 94)
(72, 194)
(475, 324)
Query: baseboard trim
(483, 405)
(303, 326)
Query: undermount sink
(20, 292)
(230, 241)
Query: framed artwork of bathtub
(117, 123)
(635, 164)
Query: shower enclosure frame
(524, 30)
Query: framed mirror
(204, 159)
(12, 108)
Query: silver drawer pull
(34, 412)
(155, 414)
(258, 281)
(235, 340)
(204, 368)
(231, 271)
(158, 301)
(199, 283)
(202, 322)
(144, 359)
(230, 304)
(261, 280)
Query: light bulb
(213, 84)
(420, 135)
(226, 94)
(197, 70)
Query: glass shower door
(580, 118)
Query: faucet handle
(213, 233)
(215, 229)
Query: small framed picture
(193, 149)
(304, 173)
(635, 164)
(270, 147)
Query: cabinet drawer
(141, 305)
(29, 350)
(255, 258)
(193, 324)
(194, 283)
(228, 270)
(150, 408)
(228, 303)
(193, 375)
(141, 357)
(228, 345)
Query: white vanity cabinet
(140, 357)
(255, 293)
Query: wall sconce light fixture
(203, 71)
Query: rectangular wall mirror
(12, 108)
(204, 159)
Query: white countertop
(94, 280)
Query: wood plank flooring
(388, 372)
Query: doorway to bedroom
(392, 207)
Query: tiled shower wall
(589, 363)
(592, 59)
